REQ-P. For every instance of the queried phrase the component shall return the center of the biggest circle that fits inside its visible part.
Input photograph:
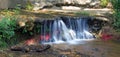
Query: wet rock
(82, 55)
(62, 55)
(31, 48)
(3, 55)
(103, 19)
(96, 49)
(103, 55)
(53, 52)
(78, 52)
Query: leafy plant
(116, 7)
(17, 9)
(37, 28)
(28, 28)
(7, 27)
(117, 20)
(29, 5)
(104, 3)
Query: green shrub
(17, 9)
(116, 7)
(37, 28)
(7, 27)
(104, 3)
(116, 22)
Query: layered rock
(5, 4)
(38, 4)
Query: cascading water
(65, 29)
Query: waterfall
(65, 29)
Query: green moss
(83, 13)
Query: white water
(67, 30)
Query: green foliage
(37, 28)
(28, 28)
(29, 5)
(116, 7)
(27, 32)
(104, 3)
(116, 22)
(32, 30)
(7, 27)
(17, 9)
(116, 4)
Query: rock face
(70, 8)
(38, 4)
(81, 2)
(5, 4)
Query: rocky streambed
(88, 49)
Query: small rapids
(65, 30)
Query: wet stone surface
(89, 49)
